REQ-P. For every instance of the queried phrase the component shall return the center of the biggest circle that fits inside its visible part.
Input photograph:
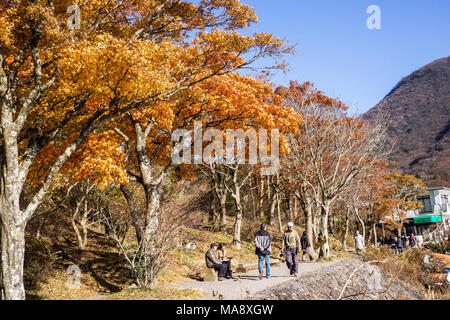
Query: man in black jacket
(263, 249)
(306, 247)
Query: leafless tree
(330, 152)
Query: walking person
(306, 246)
(263, 244)
(359, 243)
(394, 244)
(290, 248)
(405, 241)
(399, 245)
(212, 261)
(413, 241)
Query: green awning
(427, 219)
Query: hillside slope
(419, 111)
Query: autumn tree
(250, 106)
(398, 195)
(61, 82)
(331, 150)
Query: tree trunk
(361, 221)
(77, 233)
(237, 200)
(84, 228)
(272, 208)
(280, 225)
(221, 194)
(238, 222)
(212, 216)
(151, 222)
(272, 204)
(223, 213)
(324, 230)
(344, 242)
(261, 199)
(295, 208)
(309, 230)
(13, 254)
(315, 225)
(375, 235)
(291, 210)
(237, 230)
(135, 218)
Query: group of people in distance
(291, 245)
(398, 244)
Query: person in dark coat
(405, 241)
(306, 246)
(399, 245)
(393, 243)
(263, 244)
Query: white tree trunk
(309, 230)
(280, 225)
(344, 242)
(324, 230)
(375, 235)
(237, 230)
(13, 254)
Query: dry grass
(56, 289)
(157, 294)
(410, 269)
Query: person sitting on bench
(221, 255)
(212, 261)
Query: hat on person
(290, 224)
(213, 245)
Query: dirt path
(249, 284)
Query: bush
(408, 267)
(442, 247)
(38, 263)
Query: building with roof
(435, 211)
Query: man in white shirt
(359, 242)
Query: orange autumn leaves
(231, 101)
(101, 160)
(149, 58)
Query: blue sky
(345, 59)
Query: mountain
(419, 111)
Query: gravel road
(249, 284)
